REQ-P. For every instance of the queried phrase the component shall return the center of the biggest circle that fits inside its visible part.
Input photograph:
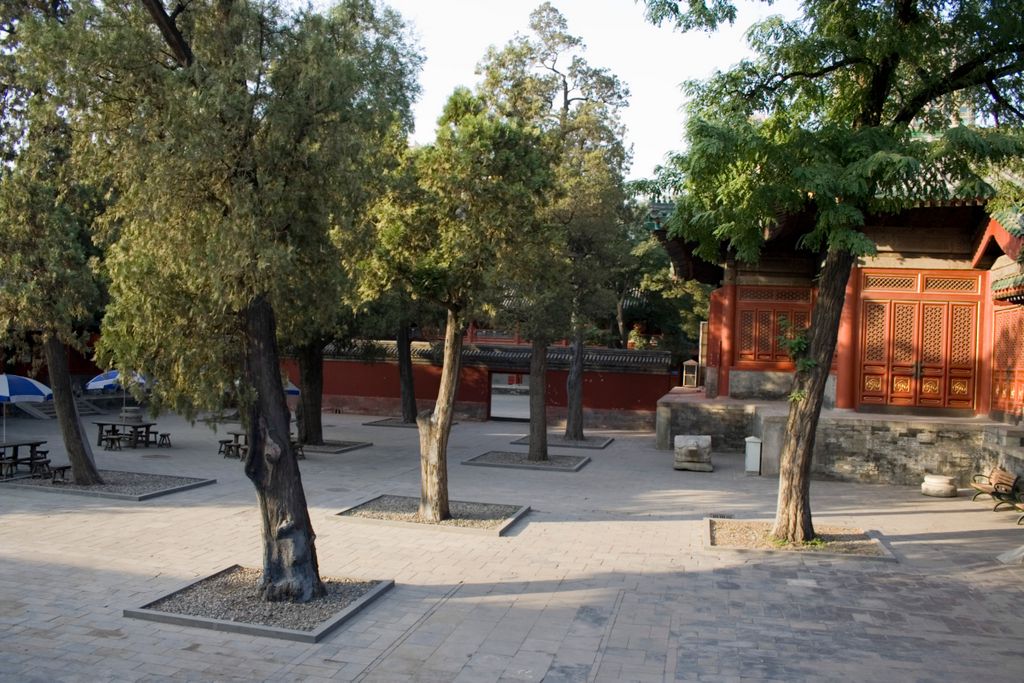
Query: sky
(652, 61)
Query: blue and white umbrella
(111, 380)
(290, 389)
(18, 389)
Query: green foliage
(46, 210)
(231, 175)
(853, 109)
(544, 79)
(461, 209)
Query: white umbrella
(18, 389)
(112, 380)
(290, 389)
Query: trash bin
(690, 373)
(752, 462)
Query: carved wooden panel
(961, 335)
(765, 337)
(891, 282)
(874, 332)
(1008, 361)
(745, 346)
(903, 332)
(920, 353)
(951, 284)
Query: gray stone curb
(314, 636)
(595, 443)
(334, 449)
(886, 556)
(500, 530)
(513, 466)
(115, 496)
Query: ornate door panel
(874, 346)
(918, 353)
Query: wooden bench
(59, 470)
(8, 466)
(165, 439)
(998, 484)
(38, 468)
(111, 442)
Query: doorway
(510, 396)
(918, 354)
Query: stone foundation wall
(850, 446)
(899, 452)
(765, 385)
(727, 424)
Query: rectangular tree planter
(885, 556)
(313, 636)
(499, 530)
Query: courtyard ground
(605, 580)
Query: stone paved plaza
(605, 580)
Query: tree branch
(169, 30)
(969, 74)
(1002, 101)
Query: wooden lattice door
(918, 353)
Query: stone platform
(850, 446)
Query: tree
(538, 304)
(48, 293)
(851, 110)
(544, 79)
(364, 142)
(467, 201)
(203, 129)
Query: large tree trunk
(311, 378)
(793, 516)
(83, 466)
(538, 449)
(574, 387)
(620, 322)
(436, 425)
(406, 389)
(290, 569)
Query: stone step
(48, 411)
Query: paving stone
(609, 583)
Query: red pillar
(728, 328)
(846, 345)
(986, 344)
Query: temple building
(932, 323)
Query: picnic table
(11, 458)
(136, 432)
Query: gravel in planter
(563, 463)
(755, 536)
(406, 509)
(115, 482)
(234, 595)
(559, 441)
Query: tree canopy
(849, 111)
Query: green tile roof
(1012, 221)
(1011, 282)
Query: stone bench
(693, 453)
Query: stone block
(939, 486)
(693, 453)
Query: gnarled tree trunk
(620, 322)
(538, 449)
(406, 389)
(83, 466)
(290, 568)
(311, 377)
(793, 516)
(574, 387)
(435, 426)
